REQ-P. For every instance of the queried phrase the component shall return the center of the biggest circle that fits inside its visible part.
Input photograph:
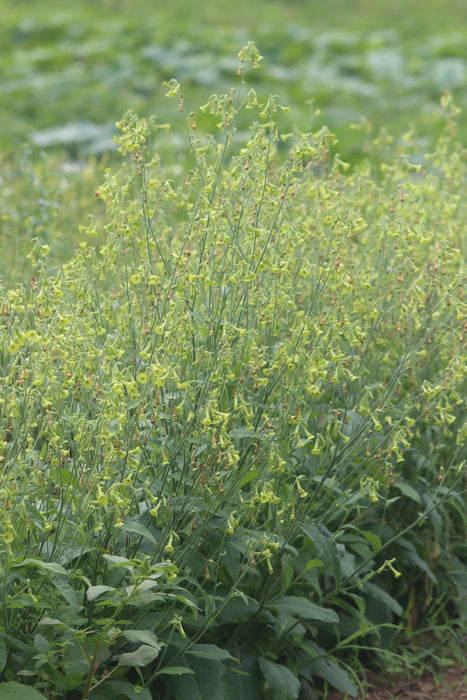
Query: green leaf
(281, 682)
(174, 670)
(326, 548)
(136, 528)
(41, 644)
(3, 652)
(250, 475)
(68, 593)
(300, 607)
(46, 565)
(412, 559)
(53, 622)
(244, 679)
(286, 571)
(336, 676)
(408, 491)
(371, 537)
(381, 595)
(141, 657)
(140, 590)
(459, 576)
(94, 592)
(312, 564)
(120, 561)
(206, 683)
(144, 636)
(17, 691)
(209, 651)
(238, 610)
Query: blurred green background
(69, 71)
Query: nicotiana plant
(229, 430)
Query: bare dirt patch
(449, 685)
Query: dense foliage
(233, 435)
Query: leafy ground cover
(234, 429)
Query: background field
(70, 71)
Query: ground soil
(448, 685)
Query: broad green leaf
(17, 691)
(250, 475)
(3, 652)
(286, 571)
(206, 683)
(377, 592)
(372, 538)
(41, 644)
(326, 548)
(71, 596)
(140, 657)
(313, 651)
(414, 559)
(408, 490)
(174, 670)
(53, 622)
(209, 651)
(47, 565)
(459, 575)
(238, 610)
(244, 678)
(71, 552)
(312, 564)
(300, 607)
(94, 592)
(120, 561)
(136, 528)
(336, 676)
(347, 560)
(282, 683)
(137, 588)
(144, 636)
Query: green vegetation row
(69, 73)
(233, 434)
(68, 78)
